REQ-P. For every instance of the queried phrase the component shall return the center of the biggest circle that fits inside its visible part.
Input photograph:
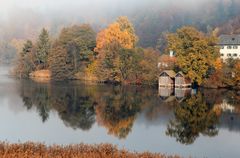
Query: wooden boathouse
(167, 78)
(181, 81)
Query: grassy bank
(34, 150)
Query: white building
(229, 46)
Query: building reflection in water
(168, 93)
(165, 92)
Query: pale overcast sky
(43, 5)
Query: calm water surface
(198, 124)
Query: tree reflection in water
(36, 95)
(193, 116)
(73, 105)
(116, 108)
(117, 111)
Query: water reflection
(192, 117)
(80, 106)
(74, 105)
(117, 108)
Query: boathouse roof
(170, 73)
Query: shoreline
(48, 80)
(44, 76)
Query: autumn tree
(129, 64)
(113, 45)
(26, 60)
(80, 42)
(231, 72)
(195, 52)
(226, 75)
(119, 60)
(126, 25)
(72, 52)
(60, 63)
(43, 48)
(116, 32)
(148, 73)
(27, 48)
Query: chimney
(171, 53)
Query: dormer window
(235, 47)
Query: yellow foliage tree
(113, 34)
(195, 52)
(110, 44)
(121, 32)
(126, 25)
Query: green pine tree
(43, 48)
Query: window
(235, 47)
(235, 54)
(229, 47)
(222, 55)
(229, 55)
(222, 47)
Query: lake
(203, 123)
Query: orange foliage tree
(119, 60)
(111, 42)
(113, 34)
(121, 32)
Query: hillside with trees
(230, 27)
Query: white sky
(85, 7)
(53, 4)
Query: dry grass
(41, 75)
(33, 150)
